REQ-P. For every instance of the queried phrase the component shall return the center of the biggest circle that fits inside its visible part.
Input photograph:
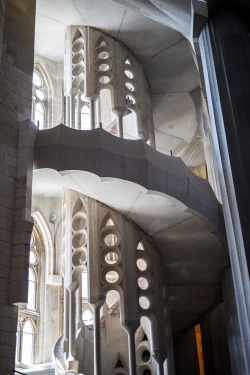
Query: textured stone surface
(15, 106)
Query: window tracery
(28, 316)
(38, 100)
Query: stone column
(225, 53)
(119, 126)
(92, 114)
(66, 321)
(78, 110)
(97, 343)
(72, 111)
(131, 351)
(2, 12)
(233, 329)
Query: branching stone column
(119, 126)
(225, 53)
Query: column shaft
(97, 343)
(119, 126)
(131, 352)
(225, 53)
(72, 111)
(78, 106)
(92, 114)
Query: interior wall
(185, 354)
(15, 227)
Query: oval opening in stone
(129, 74)
(111, 258)
(145, 356)
(104, 80)
(142, 282)
(112, 277)
(79, 239)
(141, 264)
(110, 239)
(79, 222)
(103, 55)
(103, 67)
(147, 372)
(144, 303)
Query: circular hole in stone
(77, 45)
(79, 221)
(110, 240)
(78, 69)
(104, 80)
(79, 257)
(79, 239)
(147, 372)
(129, 74)
(145, 356)
(77, 57)
(129, 86)
(103, 67)
(112, 277)
(142, 282)
(144, 303)
(111, 258)
(103, 55)
(141, 264)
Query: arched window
(28, 316)
(87, 316)
(31, 305)
(17, 359)
(27, 343)
(38, 100)
(85, 115)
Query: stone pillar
(2, 12)
(131, 351)
(72, 111)
(225, 53)
(97, 343)
(233, 328)
(66, 321)
(67, 119)
(119, 126)
(78, 110)
(92, 114)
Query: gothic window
(27, 342)
(31, 305)
(29, 315)
(85, 115)
(17, 359)
(33, 260)
(38, 100)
